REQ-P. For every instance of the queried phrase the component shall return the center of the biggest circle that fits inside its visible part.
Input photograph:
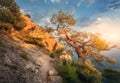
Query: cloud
(87, 21)
(79, 2)
(112, 5)
(41, 19)
(55, 1)
(45, 20)
(90, 2)
(106, 26)
(22, 11)
(25, 11)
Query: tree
(62, 19)
(9, 4)
(85, 44)
(88, 45)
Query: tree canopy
(62, 19)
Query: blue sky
(102, 16)
(84, 11)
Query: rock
(30, 66)
(55, 79)
(52, 72)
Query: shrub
(6, 16)
(112, 75)
(24, 55)
(7, 27)
(20, 25)
(52, 55)
(75, 73)
(59, 52)
(68, 73)
(28, 15)
(87, 73)
(10, 5)
(36, 41)
(49, 29)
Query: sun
(113, 36)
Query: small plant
(24, 55)
(52, 55)
(36, 41)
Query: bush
(68, 73)
(52, 55)
(20, 25)
(7, 27)
(6, 16)
(24, 55)
(49, 29)
(57, 53)
(10, 5)
(87, 73)
(36, 41)
(74, 73)
(112, 75)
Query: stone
(52, 72)
(55, 79)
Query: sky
(101, 16)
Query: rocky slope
(24, 56)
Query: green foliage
(6, 27)
(75, 73)
(68, 73)
(9, 13)
(57, 53)
(6, 16)
(10, 5)
(52, 55)
(112, 75)
(24, 55)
